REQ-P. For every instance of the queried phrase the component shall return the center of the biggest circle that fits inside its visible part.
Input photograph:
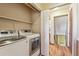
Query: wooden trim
(77, 48)
(7, 18)
(60, 5)
(32, 7)
(61, 15)
(70, 28)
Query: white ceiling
(51, 5)
(43, 6)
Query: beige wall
(19, 12)
(15, 11)
(6, 24)
(13, 25)
(21, 25)
(36, 19)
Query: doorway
(61, 45)
(60, 30)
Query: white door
(45, 32)
(74, 27)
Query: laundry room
(19, 25)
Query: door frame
(52, 18)
(67, 26)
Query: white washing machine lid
(29, 34)
(33, 35)
(25, 34)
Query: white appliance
(7, 33)
(18, 48)
(33, 42)
(15, 49)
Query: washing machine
(33, 40)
